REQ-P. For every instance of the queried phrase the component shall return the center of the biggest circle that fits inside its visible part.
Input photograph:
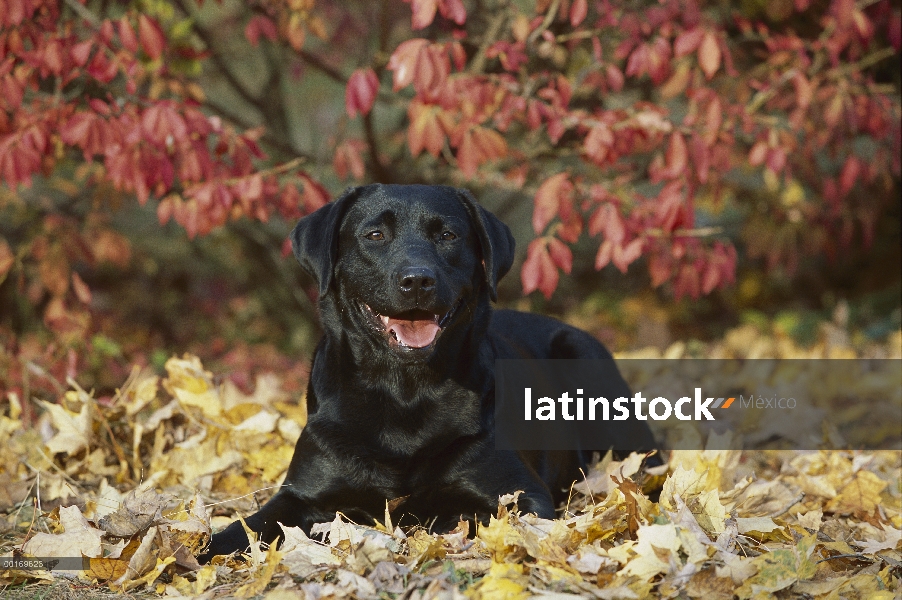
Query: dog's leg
(282, 508)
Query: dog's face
(405, 263)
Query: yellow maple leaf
(860, 496)
(500, 538)
(504, 581)
(73, 430)
(263, 576)
(779, 569)
(684, 483)
(191, 385)
(655, 550)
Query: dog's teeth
(384, 320)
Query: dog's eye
(376, 236)
(448, 236)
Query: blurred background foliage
(103, 265)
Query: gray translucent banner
(44, 563)
(716, 404)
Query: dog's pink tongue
(416, 334)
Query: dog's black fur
(389, 420)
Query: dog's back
(519, 335)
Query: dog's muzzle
(412, 328)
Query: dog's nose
(414, 280)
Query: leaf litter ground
(137, 483)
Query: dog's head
(405, 262)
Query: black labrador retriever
(401, 392)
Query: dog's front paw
(231, 539)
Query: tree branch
(478, 64)
(321, 65)
(379, 171)
(268, 138)
(83, 12)
(546, 23)
(217, 59)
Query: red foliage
(625, 120)
(361, 92)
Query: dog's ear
(495, 240)
(315, 239)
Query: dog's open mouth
(413, 328)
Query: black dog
(401, 392)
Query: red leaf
(52, 56)
(478, 146)
(425, 130)
(81, 51)
(842, 10)
(548, 198)
(458, 55)
(687, 282)
(549, 275)
(348, 157)
(659, 267)
(669, 201)
(688, 42)
(599, 143)
(403, 62)
(659, 60)
(82, 291)
(849, 174)
(160, 121)
(603, 257)
(188, 218)
(638, 61)
(127, 35)
(676, 156)
(556, 129)
(453, 10)
(607, 220)
(260, 25)
(804, 90)
(166, 208)
(431, 69)
(295, 32)
(560, 254)
(625, 255)
(709, 54)
(758, 153)
(315, 195)
(467, 157)
(249, 189)
(490, 144)
(423, 13)
(102, 68)
(360, 93)
(578, 11)
(713, 120)
(152, 40)
(88, 131)
(615, 78)
(776, 159)
(701, 159)
(711, 277)
(531, 273)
